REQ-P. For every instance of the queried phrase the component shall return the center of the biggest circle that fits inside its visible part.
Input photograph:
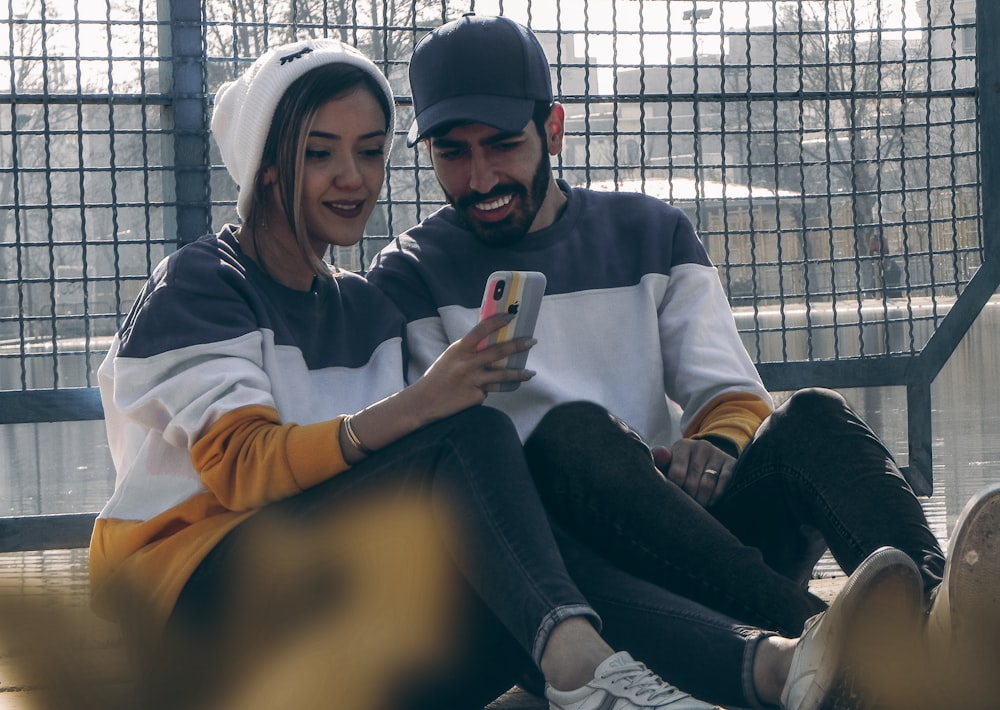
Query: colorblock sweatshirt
(223, 391)
(634, 316)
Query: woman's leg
(597, 479)
(355, 604)
(468, 471)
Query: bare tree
(384, 30)
(24, 40)
(860, 71)
(32, 183)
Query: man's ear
(555, 127)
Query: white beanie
(244, 108)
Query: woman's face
(344, 169)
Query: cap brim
(501, 112)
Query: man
(634, 326)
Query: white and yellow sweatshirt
(224, 391)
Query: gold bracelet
(353, 438)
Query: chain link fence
(827, 152)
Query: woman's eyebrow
(335, 136)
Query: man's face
(496, 181)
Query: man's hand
(698, 467)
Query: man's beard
(514, 228)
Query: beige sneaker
(963, 625)
(881, 605)
(621, 683)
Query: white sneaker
(881, 603)
(621, 683)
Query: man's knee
(580, 446)
(809, 410)
(477, 422)
(557, 444)
(813, 401)
(816, 430)
(570, 417)
(581, 423)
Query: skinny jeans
(518, 575)
(815, 476)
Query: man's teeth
(495, 204)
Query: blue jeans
(520, 575)
(814, 477)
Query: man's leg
(699, 650)
(816, 475)
(597, 479)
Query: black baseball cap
(477, 69)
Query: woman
(282, 493)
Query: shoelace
(642, 682)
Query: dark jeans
(814, 476)
(469, 472)
(519, 577)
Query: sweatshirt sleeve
(249, 458)
(707, 369)
(733, 417)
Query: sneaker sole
(971, 678)
(973, 567)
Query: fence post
(988, 58)
(190, 121)
(953, 328)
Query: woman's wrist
(352, 436)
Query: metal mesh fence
(827, 152)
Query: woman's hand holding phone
(488, 358)
(491, 356)
(465, 372)
(457, 380)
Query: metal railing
(832, 155)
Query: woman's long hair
(284, 148)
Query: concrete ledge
(46, 532)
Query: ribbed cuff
(553, 619)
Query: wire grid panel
(827, 153)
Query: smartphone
(519, 293)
